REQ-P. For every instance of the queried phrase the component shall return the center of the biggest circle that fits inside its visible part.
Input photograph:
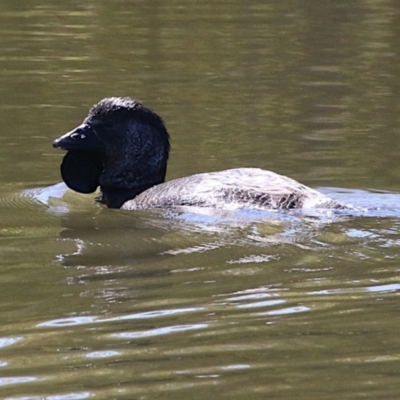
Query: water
(191, 303)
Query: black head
(121, 146)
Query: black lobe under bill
(81, 170)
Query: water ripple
(69, 396)
(393, 287)
(73, 321)
(9, 341)
(12, 380)
(102, 354)
(159, 331)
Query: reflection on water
(126, 287)
(193, 303)
(186, 230)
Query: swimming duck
(123, 147)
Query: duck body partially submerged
(239, 188)
(123, 147)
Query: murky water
(109, 304)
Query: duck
(122, 147)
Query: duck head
(121, 147)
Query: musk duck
(122, 147)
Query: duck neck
(115, 197)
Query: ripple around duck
(60, 200)
(52, 197)
(377, 203)
(56, 199)
(18, 199)
(190, 230)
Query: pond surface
(193, 304)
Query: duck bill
(82, 165)
(82, 138)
